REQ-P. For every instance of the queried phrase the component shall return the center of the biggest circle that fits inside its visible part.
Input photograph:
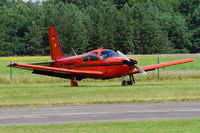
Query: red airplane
(96, 64)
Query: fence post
(158, 72)
(11, 71)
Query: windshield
(107, 54)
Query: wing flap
(152, 67)
(55, 69)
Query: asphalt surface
(98, 113)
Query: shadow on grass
(100, 86)
(80, 86)
(110, 84)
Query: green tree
(72, 30)
(150, 32)
(124, 30)
(195, 28)
(179, 34)
(139, 26)
(34, 29)
(103, 19)
(11, 23)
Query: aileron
(153, 67)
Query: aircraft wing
(153, 67)
(55, 71)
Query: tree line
(131, 26)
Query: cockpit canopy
(105, 54)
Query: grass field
(176, 83)
(171, 126)
(97, 91)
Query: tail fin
(55, 48)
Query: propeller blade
(140, 69)
(122, 55)
(136, 66)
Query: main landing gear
(73, 81)
(126, 83)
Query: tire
(124, 83)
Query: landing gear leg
(132, 80)
(73, 81)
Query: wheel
(129, 82)
(124, 83)
(74, 83)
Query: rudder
(55, 48)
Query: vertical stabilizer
(55, 48)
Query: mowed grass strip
(168, 126)
(98, 91)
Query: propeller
(131, 62)
(124, 56)
(140, 69)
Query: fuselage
(104, 60)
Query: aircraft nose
(133, 61)
(130, 63)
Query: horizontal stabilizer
(56, 70)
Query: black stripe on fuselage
(95, 65)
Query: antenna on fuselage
(74, 51)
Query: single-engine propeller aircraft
(96, 64)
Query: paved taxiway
(99, 112)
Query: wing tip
(191, 59)
(12, 65)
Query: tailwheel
(74, 83)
